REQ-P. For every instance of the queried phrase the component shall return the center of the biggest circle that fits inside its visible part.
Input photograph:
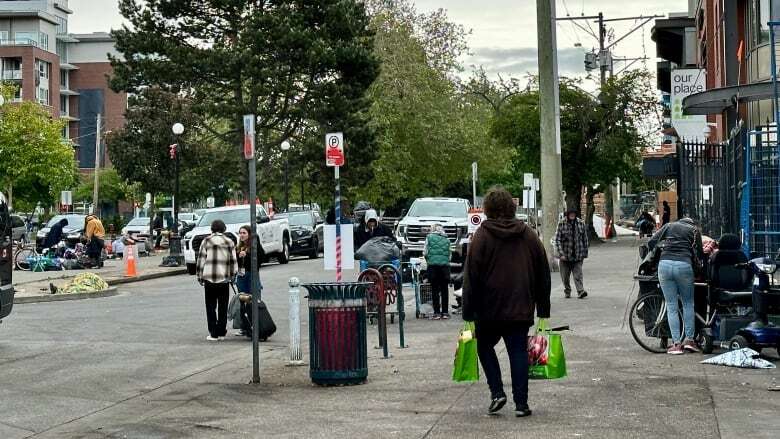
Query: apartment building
(65, 72)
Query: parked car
(188, 218)
(274, 234)
(451, 213)
(18, 229)
(306, 232)
(72, 232)
(137, 226)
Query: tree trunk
(590, 210)
(10, 198)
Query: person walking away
(437, 255)
(55, 234)
(506, 277)
(94, 233)
(217, 266)
(681, 248)
(571, 242)
(158, 226)
(667, 215)
(245, 275)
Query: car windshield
(237, 216)
(74, 221)
(299, 219)
(139, 222)
(448, 209)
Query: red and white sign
(334, 149)
(476, 217)
(249, 136)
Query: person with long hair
(244, 255)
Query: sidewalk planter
(338, 353)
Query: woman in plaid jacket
(217, 266)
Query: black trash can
(338, 353)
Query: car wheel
(315, 249)
(284, 256)
(191, 269)
(738, 342)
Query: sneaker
(582, 294)
(690, 346)
(567, 295)
(675, 349)
(497, 404)
(522, 412)
(210, 338)
(435, 317)
(239, 333)
(445, 316)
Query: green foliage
(301, 66)
(601, 138)
(429, 129)
(34, 161)
(111, 188)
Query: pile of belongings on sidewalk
(746, 358)
(85, 283)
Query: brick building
(67, 73)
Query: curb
(143, 277)
(111, 291)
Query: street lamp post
(285, 148)
(176, 258)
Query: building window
(44, 69)
(43, 96)
(62, 51)
(3, 37)
(26, 38)
(62, 25)
(64, 79)
(43, 40)
(63, 105)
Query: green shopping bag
(545, 354)
(466, 366)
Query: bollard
(296, 355)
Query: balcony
(68, 92)
(12, 75)
(67, 38)
(67, 66)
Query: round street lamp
(178, 129)
(286, 147)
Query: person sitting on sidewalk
(216, 268)
(437, 254)
(506, 277)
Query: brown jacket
(94, 228)
(506, 274)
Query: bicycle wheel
(648, 323)
(22, 258)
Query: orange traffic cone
(130, 270)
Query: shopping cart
(423, 294)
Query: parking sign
(334, 149)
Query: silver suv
(451, 213)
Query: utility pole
(97, 168)
(550, 129)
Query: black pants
(439, 276)
(516, 341)
(158, 238)
(216, 307)
(95, 250)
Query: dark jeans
(516, 341)
(158, 238)
(439, 276)
(216, 307)
(244, 283)
(95, 249)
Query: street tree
(292, 63)
(601, 137)
(33, 155)
(421, 113)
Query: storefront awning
(717, 100)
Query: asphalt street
(138, 366)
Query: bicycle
(649, 321)
(27, 258)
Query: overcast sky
(503, 35)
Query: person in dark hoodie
(507, 276)
(55, 234)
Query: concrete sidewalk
(30, 285)
(614, 388)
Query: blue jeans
(676, 278)
(243, 284)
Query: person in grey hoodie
(681, 249)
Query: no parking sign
(476, 217)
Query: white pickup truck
(274, 234)
(451, 213)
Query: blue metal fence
(760, 216)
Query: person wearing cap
(571, 243)
(681, 248)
